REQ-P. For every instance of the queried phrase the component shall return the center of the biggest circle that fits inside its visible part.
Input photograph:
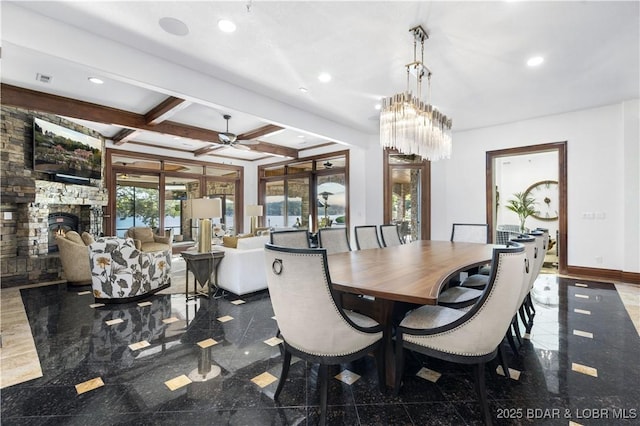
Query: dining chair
(335, 240)
(312, 325)
(298, 238)
(470, 233)
(390, 235)
(367, 237)
(467, 337)
(527, 309)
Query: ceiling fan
(231, 139)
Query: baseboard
(608, 274)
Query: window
(309, 193)
(148, 190)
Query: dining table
(381, 282)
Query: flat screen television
(69, 155)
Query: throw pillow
(231, 242)
(87, 238)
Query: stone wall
(27, 197)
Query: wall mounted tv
(70, 156)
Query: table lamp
(254, 211)
(204, 209)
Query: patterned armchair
(122, 273)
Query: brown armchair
(146, 240)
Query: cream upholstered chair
(74, 257)
(292, 239)
(312, 325)
(367, 237)
(467, 337)
(122, 273)
(146, 240)
(527, 310)
(470, 232)
(335, 240)
(390, 235)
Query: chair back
(335, 240)
(470, 233)
(390, 235)
(539, 255)
(480, 331)
(530, 251)
(304, 305)
(367, 237)
(291, 238)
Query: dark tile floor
(75, 345)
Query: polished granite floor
(212, 362)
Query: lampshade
(254, 210)
(204, 208)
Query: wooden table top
(413, 273)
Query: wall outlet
(7, 215)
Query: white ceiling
(477, 52)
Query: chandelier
(407, 123)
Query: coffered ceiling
(167, 91)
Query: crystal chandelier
(410, 125)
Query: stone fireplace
(63, 207)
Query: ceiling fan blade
(241, 147)
(249, 142)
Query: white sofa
(242, 269)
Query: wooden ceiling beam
(269, 148)
(165, 109)
(259, 132)
(59, 105)
(124, 135)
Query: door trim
(561, 149)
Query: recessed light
(226, 26)
(173, 26)
(324, 77)
(303, 89)
(377, 107)
(95, 80)
(535, 61)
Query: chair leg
(322, 372)
(512, 343)
(380, 365)
(503, 362)
(283, 375)
(482, 392)
(516, 329)
(523, 315)
(399, 364)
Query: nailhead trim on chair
(476, 313)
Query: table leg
(385, 317)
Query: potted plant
(523, 206)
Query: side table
(203, 266)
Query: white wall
(598, 185)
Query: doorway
(495, 198)
(407, 195)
